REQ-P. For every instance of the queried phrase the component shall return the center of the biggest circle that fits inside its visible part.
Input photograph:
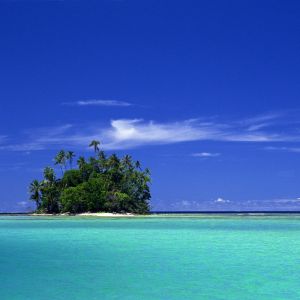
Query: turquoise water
(150, 258)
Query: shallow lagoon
(191, 257)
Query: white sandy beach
(88, 214)
(104, 214)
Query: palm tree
(60, 159)
(50, 191)
(35, 190)
(69, 156)
(127, 161)
(101, 155)
(114, 161)
(102, 161)
(95, 144)
(138, 165)
(49, 175)
(81, 162)
(93, 162)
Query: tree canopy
(100, 183)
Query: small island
(101, 183)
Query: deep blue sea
(212, 257)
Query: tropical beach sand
(87, 214)
(103, 214)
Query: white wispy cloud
(261, 121)
(98, 102)
(187, 205)
(276, 204)
(131, 133)
(41, 139)
(136, 132)
(256, 127)
(287, 203)
(285, 149)
(263, 118)
(286, 200)
(221, 200)
(205, 154)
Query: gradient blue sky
(204, 93)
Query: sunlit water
(150, 258)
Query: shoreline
(202, 215)
(167, 214)
(87, 214)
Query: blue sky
(204, 93)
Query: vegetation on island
(100, 183)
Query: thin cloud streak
(261, 121)
(98, 102)
(205, 154)
(283, 149)
(221, 200)
(220, 204)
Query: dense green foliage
(99, 184)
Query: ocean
(156, 257)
